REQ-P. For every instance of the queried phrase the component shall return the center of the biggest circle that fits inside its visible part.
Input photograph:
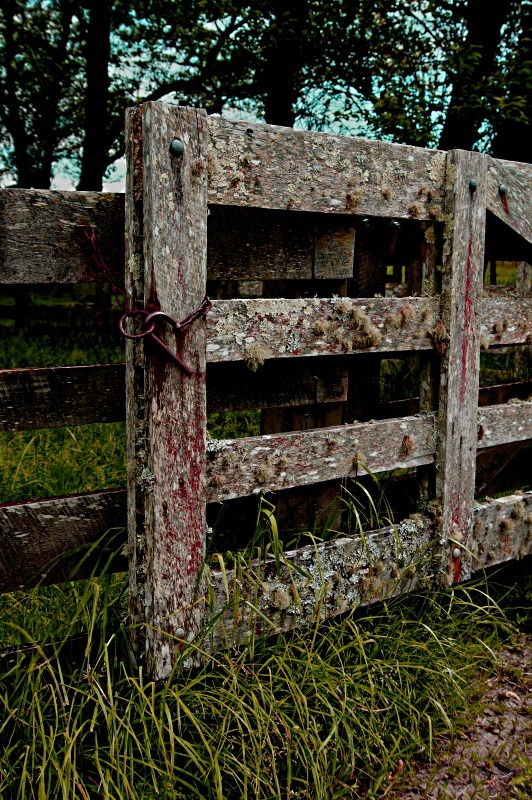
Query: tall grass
(324, 712)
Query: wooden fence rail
(316, 219)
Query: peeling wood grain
(260, 244)
(257, 330)
(317, 583)
(51, 397)
(271, 167)
(502, 424)
(278, 461)
(168, 271)
(463, 264)
(502, 531)
(38, 538)
(513, 206)
(38, 240)
(331, 578)
(506, 321)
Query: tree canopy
(439, 74)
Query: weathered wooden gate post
(166, 253)
(461, 296)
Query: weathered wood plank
(271, 167)
(502, 392)
(506, 321)
(523, 280)
(167, 270)
(276, 384)
(50, 397)
(493, 465)
(508, 194)
(501, 424)
(331, 578)
(318, 582)
(260, 244)
(38, 237)
(257, 330)
(38, 537)
(456, 429)
(502, 531)
(265, 463)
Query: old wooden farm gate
(316, 219)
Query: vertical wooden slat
(523, 285)
(463, 261)
(428, 378)
(167, 261)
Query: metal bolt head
(457, 553)
(177, 148)
(366, 222)
(503, 190)
(395, 223)
(473, 185)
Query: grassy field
(332, 711)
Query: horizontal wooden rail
(52, 397)
(39, 244)
(511, 422)
(271, 167)
(36, 536)
(38, 236)
(508, 195)
(331, 578)
(255, 464)
(256, 330)
(239, 467)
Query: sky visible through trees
(446, 74)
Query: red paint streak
(457, 569)
(195, 557)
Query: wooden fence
(314, 220)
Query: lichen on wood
(320, 172)
(256, 330)
(280, 461)
(318, 582)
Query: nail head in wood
(503, 190)
(177, 148)
(473, 185)
(457, 553)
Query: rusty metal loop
(142, 312)
(162, 315)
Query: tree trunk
(284, 58)
(94, 160)
(475, 61)
(513, 138)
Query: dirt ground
(493, 758)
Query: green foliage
(394, 70)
